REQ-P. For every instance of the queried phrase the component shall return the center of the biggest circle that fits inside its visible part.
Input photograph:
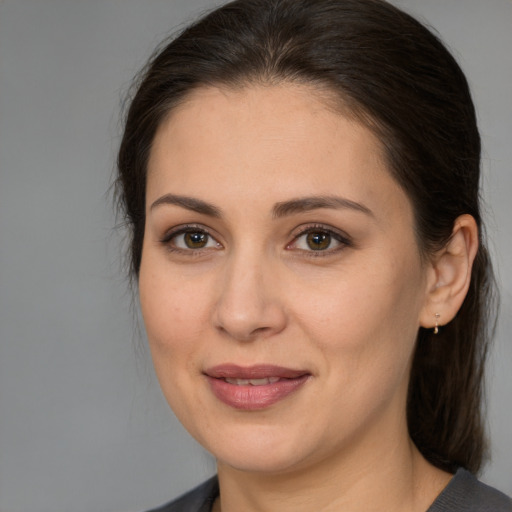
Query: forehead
(258, 141)
(282, 110)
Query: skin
(258, 293)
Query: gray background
(83, 426)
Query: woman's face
(281, 284)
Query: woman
(301, 178)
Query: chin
(261, 450)
(258, 461)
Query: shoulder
(199, 499)
(465, 493)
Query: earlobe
(450, 274)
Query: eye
(190, 238)
(319, 239)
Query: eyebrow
(189, 203)
(281, 209)
(305, 204)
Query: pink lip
(254, 397)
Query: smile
(255, 387)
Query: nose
(249, 304)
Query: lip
(246, 396)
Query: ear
(449, 275)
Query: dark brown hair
(395, 76)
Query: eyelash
(183, 230)
(342, 239)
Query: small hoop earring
(436, 328)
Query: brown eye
(189, 239)
(195, 240)
(318, 241)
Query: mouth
(254, 387)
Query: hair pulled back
(394, 75)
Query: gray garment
(464, 493)
(199, 499)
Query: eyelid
(175, 231)
(340, 236)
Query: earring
(436, 328)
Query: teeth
(252, 382)
(238, 382)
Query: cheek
(174, 327)
(174, 311)
(365, 322)
(385, 297)
(366, 334)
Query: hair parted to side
(395, 76)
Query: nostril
(244, 335)
(247, 306)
